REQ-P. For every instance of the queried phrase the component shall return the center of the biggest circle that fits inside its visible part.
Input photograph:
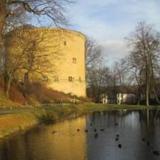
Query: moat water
(118, 135)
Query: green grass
(54, 113)
(106, 107)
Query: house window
(65, 43)
(70, 79)
(74, 60)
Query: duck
(156, 153)
(119, 145)
(96, 135)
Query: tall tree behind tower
(145, 56)
(14, 9)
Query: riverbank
(15, 120)
(12, 123)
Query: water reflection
(59, 142)
(93, 137)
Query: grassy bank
(12, 123)
(106, 107)
(55, 113)
(15, 120)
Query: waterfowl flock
(97, 132)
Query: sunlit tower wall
(66, 50)
(70, 65)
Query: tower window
(70, 79)
(56, 78)
(65, 43)
(80, 79)
(74, 60)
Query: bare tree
(97, 72)
(93, 58)
(12, 11)
(29, 57)
(98, 82)
(120, 72)
(93, 54)
(144, 57)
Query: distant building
(126, 98)
(69, 64)
(104, 99)
(119, 95)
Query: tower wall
(66, 51)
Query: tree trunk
(8, 86)
(147, 87)
(147, 79)
(26, 83)
(138, 95)
(26, 78)
(2, 22)
(147, 95)
(2, 46)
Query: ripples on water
(114, 135)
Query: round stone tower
(66, 50)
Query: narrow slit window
(80, 79)
(56, 78)
(70, 79)
(74, 60)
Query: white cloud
(114, 50)
(109, 21)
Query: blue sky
(110, 21)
